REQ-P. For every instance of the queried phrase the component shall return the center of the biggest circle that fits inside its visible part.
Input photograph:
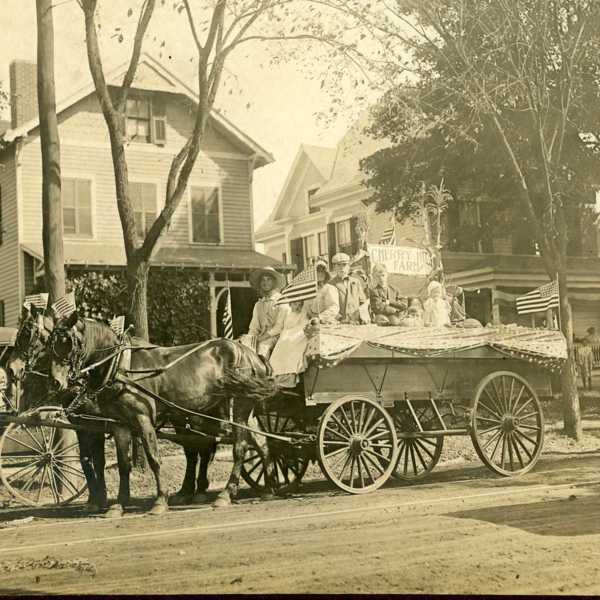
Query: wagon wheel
(289, 463)
(507, 423)
(357, 444)
(39, 465)
(417, 456)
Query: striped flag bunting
(539, 300)
(37, 300)
(388, 238)
(227, 318)
(117, 324)
(302, 287)
(64, 307)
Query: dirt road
(462, 531)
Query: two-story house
(321, 201)
(212, 229)
(316, 212)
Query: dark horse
(141, 388)
(27, 366)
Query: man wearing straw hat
(267, 317)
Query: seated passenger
(414, 317)
(350, 291)
(287, 359)
(267, 316)
(326, 306)
(387, 304)
(436, 310)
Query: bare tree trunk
(570, 395)
(137, 284)
(52, 218)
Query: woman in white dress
(287, 359)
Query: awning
(217, 258)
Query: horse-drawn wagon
(379, 401)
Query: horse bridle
(30, 351)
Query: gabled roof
(355, 145)
(320, 156)
(173, 85)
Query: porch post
(213, 304)
(495, 307)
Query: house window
(206, 226)
(77, 207)
(143, 198)
(2, 314)
(344, 236)
(137, 119)
(323, 249)
(310, 249)
(312, 209)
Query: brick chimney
(23, 92)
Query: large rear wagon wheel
(507, 423)
(417, 456)
(289, 463)
(357, 444)
(39, 465)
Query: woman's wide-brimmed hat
(271, 272)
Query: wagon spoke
(65, 450)
(42, 431)
(359, 470)
(510, 452)
(424, 448)
(336, 452)
(500, 437)
(336, 443)
(252, 457)
(491, 439)
(524, 448)
(373, 427)
(500, 400)
(361, 417)
(488, 420)
(23, 470)
(355, 426)
(340, 425)
(373, 463)
(379, 456)
(420, 456)
(532, 427)
(31, 478)
(529, 415)
(346, 463)
(22, 443)
(34, 440)
(516, 414)
(256, 465)
(53, 486)
(66, 467)
(512, 440)
(428, 440)
(531, 441)
(368, 419)
(345, 438)
(502, 454)
(493, 411)
(512, 388)
(41, 488)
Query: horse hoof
(200, 498)
(159, 509)
(114, 512)
(181, 500)
(267, 496)
(222, 502)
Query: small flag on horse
(38, 300)
(388, 238)
(117, 324)
(227, 318)
(64, 307)
(302, 287)
(539, 300)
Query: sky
(275, 105)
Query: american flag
(64, 307)
(227, 318)
(37, 300)
(540, 299)
(117, 324)
(302, 287)
(388, 238)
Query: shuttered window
(344, 236)
(143, 197)
(77, 207)
(205, 215)
(2, 314)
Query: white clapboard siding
(9, 249)
(85, 153)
